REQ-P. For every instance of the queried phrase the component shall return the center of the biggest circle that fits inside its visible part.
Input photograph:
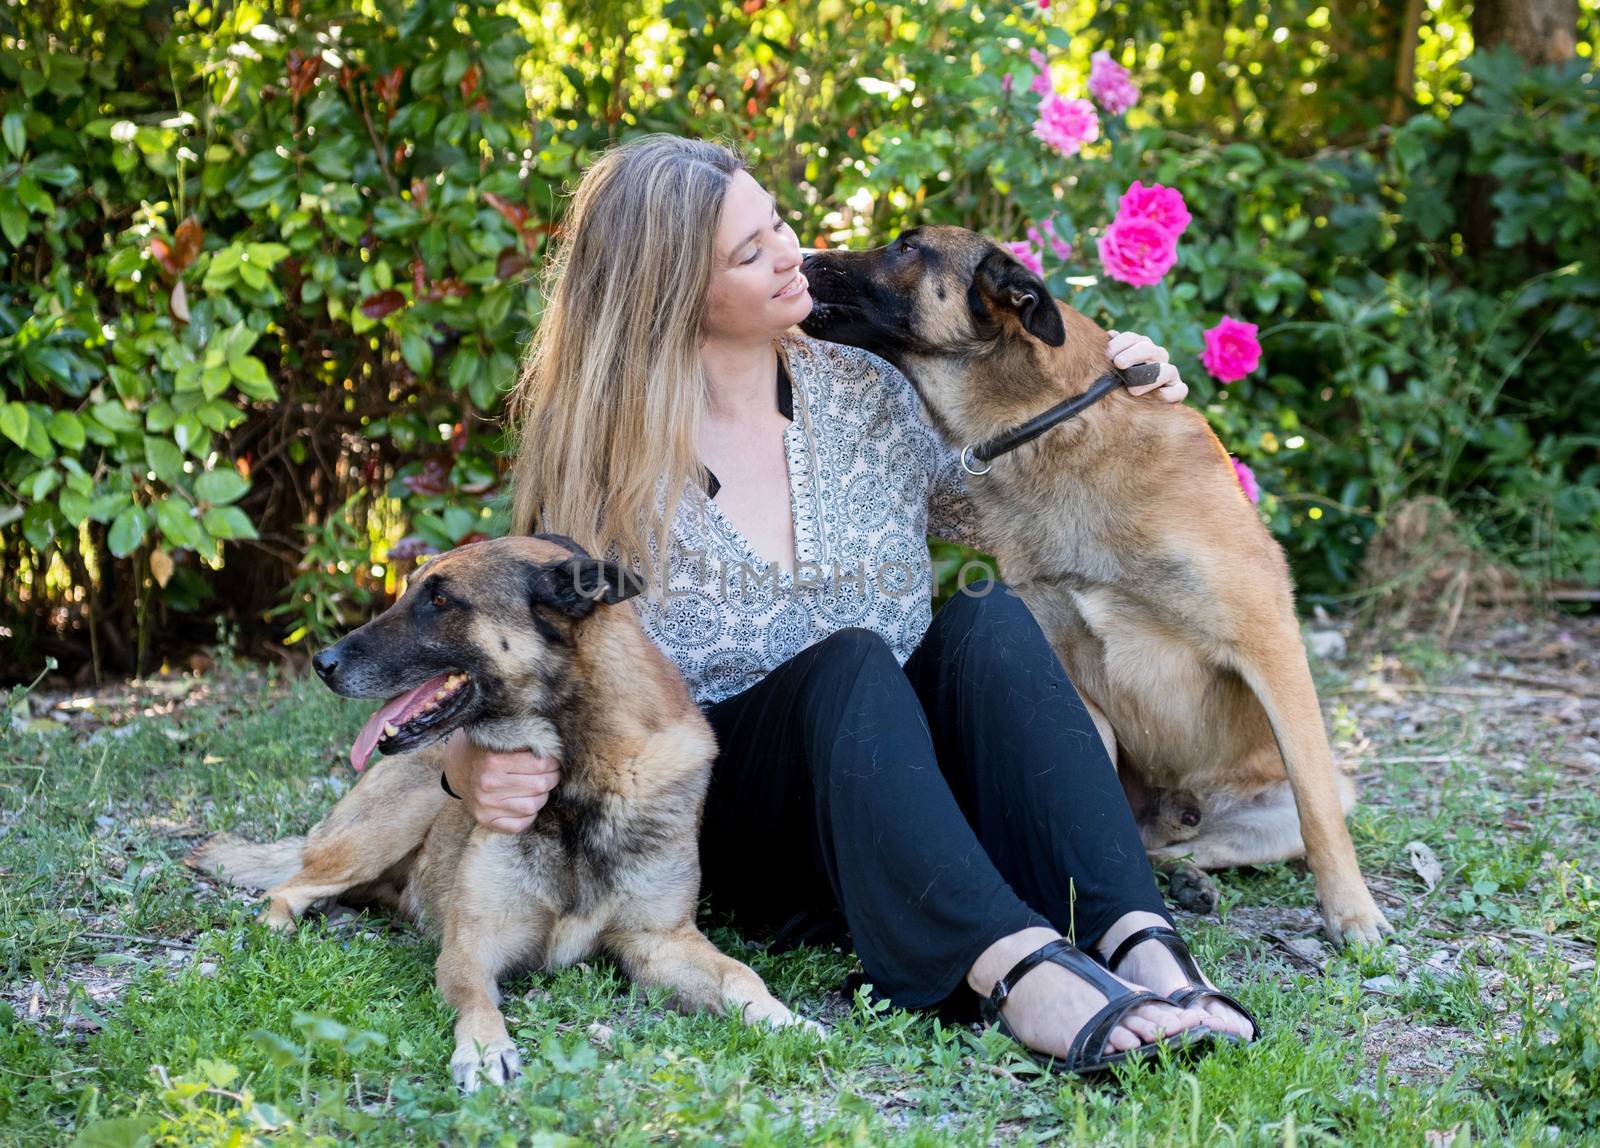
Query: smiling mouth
(796, 285)
(415, 718)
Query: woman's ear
(574, 587)
(1006, 283)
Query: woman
(937, 784)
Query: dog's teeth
(389, 729)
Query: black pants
(937, 806)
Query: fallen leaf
(161, 567)
(178, 302)
(1425, 864)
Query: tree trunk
(1540, 31)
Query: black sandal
(1084, 1056)
(1197, 989)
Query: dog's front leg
(1277, 672)
(700, 975)
(489, 927)
(365, 836)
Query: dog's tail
(248, 863)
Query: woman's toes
(1123, 1038)
(1148, 1028)
(1227, 1020)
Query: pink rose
(1041, 84)
(1110, 84)
(1247, 481)
(1136, 251)
(1066, 125)
(1162, 206)
(1232, 350)
(1027, 254)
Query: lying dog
(521, 642)
(1126, 533)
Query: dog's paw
(1357, 923)
(496, 1063)
(1190, 888)
(775, 1015)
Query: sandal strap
(1120, 999)
(1183, 998)
(1086, 1047)
(1060, 952)
(1169, 938)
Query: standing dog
(520, 641)
(1125, 532)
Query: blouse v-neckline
(803, 495)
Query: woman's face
(757, 291)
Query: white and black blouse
(877, 483)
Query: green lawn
(140, 1004)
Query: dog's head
(482, 633)
(942, 296)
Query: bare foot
(1151, 965)
(1048, 1006)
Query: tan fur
(611, 863)
(1126, 533)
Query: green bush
(265, 273)
(1551, 1067)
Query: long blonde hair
(612, 387)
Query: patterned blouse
(867, 486)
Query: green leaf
(417, 353)
(14, 423)
(74, 506)
(33, 196)
(178, 526)
(127, 532)
(14, 130)
(228, 522)
(280, 1052)
(165, 459)
(251, 373)
(38, 443)
(115, 416)
(43, 483)
(67, 429)
(13, 221)
(220, 487)
(121, 1132)
(314, 1027)
(214, 380)
(465, 364)
(254, 276)
(266, 254)
(39, 525)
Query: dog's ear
(1003, 280)
(575, 585)
(563, 540)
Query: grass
(140, 1004)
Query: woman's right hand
(502, 791)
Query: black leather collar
(984, 452)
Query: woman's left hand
(1128, 348)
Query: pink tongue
(392, 710)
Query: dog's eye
(906, 245)
(440, 602)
